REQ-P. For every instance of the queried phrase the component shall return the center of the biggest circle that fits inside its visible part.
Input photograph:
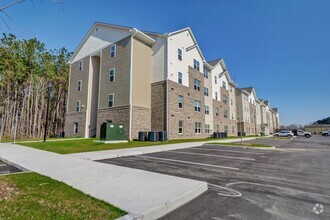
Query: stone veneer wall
(118, 115)
(187, 114)
(141, 120)
(158, 106)
(70, 119)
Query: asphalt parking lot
(289, 182)
(6, 168)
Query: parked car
(304, 133)
(284, 134)
(325, 133)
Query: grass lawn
(86, 145)
(238, 144)
(33, 196)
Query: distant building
(317, 128)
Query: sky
(281, 47)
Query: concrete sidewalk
(107, 154)
(145, 195)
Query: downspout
(133, 33)
(166, 77)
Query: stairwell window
(180, 78)
(198, 127)
(180, 101)
(112, 73)
(206, 91)
(206, 73)
(207, 129)
(78, 106)
(231, 102)
(111, 100)
(207, 110)
(216, 95)
(196, 65)
(79, 85)
(215, 80)
(226, 129)
(225, 99)
(217, 111)
(179, 54)
(113, 50)
(197, 105)
(180, 127)
(81, 65)
(197, 85)
(224, 84)
(75, 128)
(225, 113)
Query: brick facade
(141, 120)
(158, 106)
(80, 118)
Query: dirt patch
(8, 190)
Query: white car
(284, 134)
(304, 133)
(325, 133)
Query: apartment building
(151, 81)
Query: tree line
(26, 67)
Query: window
(111, 100)
(180, 77)
(231, 102)
(179, 54)
(197, 85)
(217, 111)
(180, 101)
(75, 128)
(216, 95)
(215, 80)
(207, 129)
(232, 116)
(224, 99)
(79, 85)
(196, 65)
(226, 129)
(218, 128)
(233, 129)
(81, 65)
(180, 127)
(206, 91)
(78, 106)
(231, 88)
(112, 73)
(206, 73)
(207, 110)
(113, 51)
(198, 127)
(224, 84)
(225, 114)
(197, 106)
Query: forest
(26, 68)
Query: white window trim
(180, 54)
(79, 106)
(115, 51)
(180, 102)
(200, 128)
(80, 85)
(114, 75)
(179, 73)
(182, 127)
(113, 100)
(75, 125)
(81, 64)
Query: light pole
(49, 84)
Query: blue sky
(281, 47)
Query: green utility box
(112, 132)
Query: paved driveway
(290, 182)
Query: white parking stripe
(211, 155)
(232, 151)
(3, 165)
(187, 162)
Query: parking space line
(232, 151)
(3, 165)
(212, 155)
(188, 162)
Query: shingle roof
(248, 89)
(214, 62)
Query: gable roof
(214, 62)
(251, 90)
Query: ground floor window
(207, 129)
(75, 127)
(226, 128)
(180, 127)
(233, 129)
(198, 127)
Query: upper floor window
(225, 128)
(215, 80)
(180, 127)
(230, 88)
(78, 106)
(196, 65)
(231, 102)
(180, 77)
(206, 91)
(198, 126)
(113, 50)
(217, 111)
(112, 73)
(79, 85)
(111, 100)
(216, 95)
(197, 85)
(224, 99)
(225, 113)
(179, 54)
(180, 99)
(81, 65)
(197, 105)
(206, 73)
(75, 128)
(207, 110)
(224, 84)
